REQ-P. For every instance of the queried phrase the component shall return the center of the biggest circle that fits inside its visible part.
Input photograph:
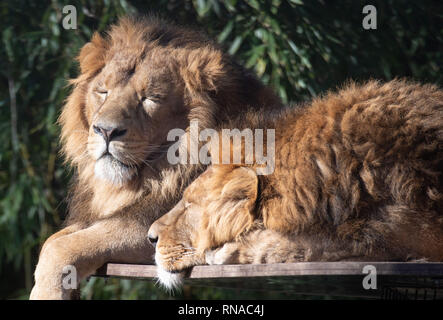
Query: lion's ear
(231, 211)
(92, 56)
(73, 119)
(201, 68)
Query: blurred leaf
(226, 31)
(235, 45)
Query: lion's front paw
(228, 254)
(48, 285)
(41, 292)
(55, 277)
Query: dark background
(300, 48)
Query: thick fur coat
(358, 176)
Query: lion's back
(357, 150)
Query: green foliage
(300, 48)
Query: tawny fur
(358, 176)
(113, 200)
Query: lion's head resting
(218, 207)
(144, 78)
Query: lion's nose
(153, 233)
(108, 133)
(153, 238)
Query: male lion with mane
(358, 176)
(142, 79)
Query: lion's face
(130, 109)
(136, 84)
(215, 209)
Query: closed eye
(149, 104)
(103, 94)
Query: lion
(358, 176)
(142, 79)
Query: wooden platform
(335, 279)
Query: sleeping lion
(142, 79)
(358, 176)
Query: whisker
(179, 247)
(188, 254)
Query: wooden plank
(332, 279)
(428, 269)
